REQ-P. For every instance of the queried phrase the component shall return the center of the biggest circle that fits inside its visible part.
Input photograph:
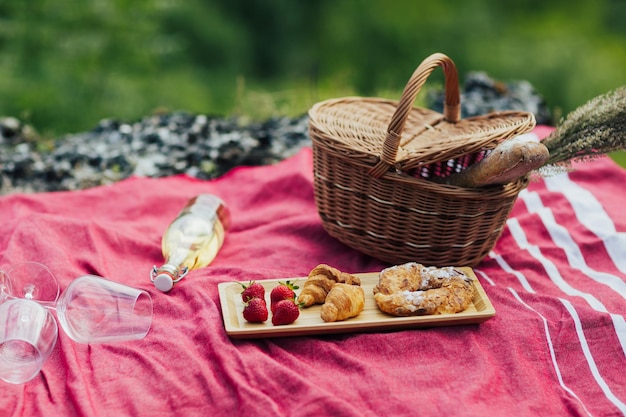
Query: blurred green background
(66, 65)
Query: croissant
(342, 302)
(319, 282)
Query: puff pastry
(342, 302)
(319, 283)
(413, 289)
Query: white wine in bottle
(192, 240)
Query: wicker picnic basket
(380, 169)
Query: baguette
(509, 161)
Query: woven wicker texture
(378, 164)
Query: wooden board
(370, 319)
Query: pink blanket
(556, 279)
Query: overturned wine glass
(28, 331)
(92, 309)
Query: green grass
(66, 65)
(619, 157)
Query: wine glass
(28, 331)
(32, 281)
(28, 334)
(92, 309)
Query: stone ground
(199, 145)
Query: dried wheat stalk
(595, 128)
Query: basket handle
(451, 108)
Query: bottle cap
(163, 282)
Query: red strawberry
(252, 290)
(284, 291)
(255, 310)
(285, 312)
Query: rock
(158, 145)
(198, 145)
(481, 95)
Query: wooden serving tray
(370, 319)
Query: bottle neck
(166, 276)
(169, 269)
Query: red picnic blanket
(556, 278)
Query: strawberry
(284, 291)
(255, 310)
(252, 290)
(285, 312)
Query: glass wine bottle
(192, 240)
